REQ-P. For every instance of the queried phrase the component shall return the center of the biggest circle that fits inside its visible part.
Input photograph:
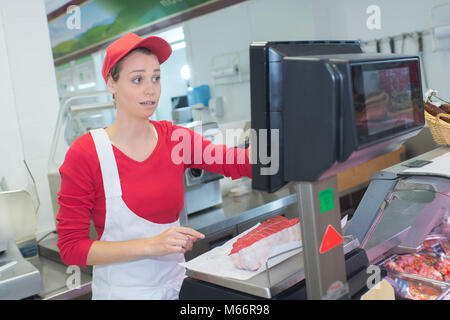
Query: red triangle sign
(330, 240)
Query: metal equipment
(19, 279)
(201, 188)
(323, 107)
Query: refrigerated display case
(403, 224)
(402, 216)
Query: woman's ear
(110, 85)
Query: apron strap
(108, 165)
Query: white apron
(151, 278)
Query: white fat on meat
(255, 255)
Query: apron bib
(153, 278)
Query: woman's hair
(115, 70)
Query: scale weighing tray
(281, 276)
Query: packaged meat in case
(250, 251)
(417, 290)
(422, 265)
(438, 244)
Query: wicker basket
(440, 130)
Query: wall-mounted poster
(99, 21)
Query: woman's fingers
(181, 242)
(189, 245)
(179, 239)
(190, 232)
(176, 249)
(186, 244)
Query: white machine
(19, 279)
(201, 188)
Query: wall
(29, 100)
(172, 84)
(348, 21)
(232, 30)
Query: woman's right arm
(173, 240)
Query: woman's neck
(130, 131)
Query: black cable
(46, 236)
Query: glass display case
(403, 224)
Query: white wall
(29, 100)
(347, 21)
(172, 84)
(233, 29)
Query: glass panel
(399, 214)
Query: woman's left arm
(200, 153)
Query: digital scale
(322, 107)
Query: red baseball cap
(119, 48)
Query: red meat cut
(250, 251)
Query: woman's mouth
(147, 103)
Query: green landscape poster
(102, 20)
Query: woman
(124, 178)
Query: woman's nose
(149, 88)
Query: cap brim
(160, 47)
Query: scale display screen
(386, 98)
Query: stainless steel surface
(92, 107)
(57, 282)
(430, 155)
(237, 210)
(282, 276)
(324, 271)
(439, 286)
(182, 115)
(3, 245)
(202, 196)
(21, 280)
(201, 188)
(417, 277)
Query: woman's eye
(137, 80)
(156, 79)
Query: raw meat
(445, 244)
(421, 265)
(250, 251)
(415, 290)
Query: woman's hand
(173, 240)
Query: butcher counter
(219, 223)
(404, 215)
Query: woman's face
(138, 88)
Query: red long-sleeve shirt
(153, 189)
